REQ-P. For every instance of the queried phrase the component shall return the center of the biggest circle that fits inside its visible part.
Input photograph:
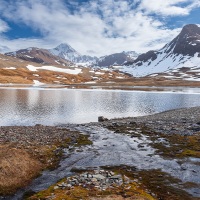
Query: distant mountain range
(65, 54)
(179, 58)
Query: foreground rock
(98, 184)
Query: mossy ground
(161, 185)
(179, 146)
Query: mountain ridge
(182, 51)
(65, 51)
(38, 55)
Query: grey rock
(99, 176)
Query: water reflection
(50, 106)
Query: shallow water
(60, 106)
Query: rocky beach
(158, 154)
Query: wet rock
(116, 177)
(99, 176)
(141, 146)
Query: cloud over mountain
(101, 27)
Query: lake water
(32, 106)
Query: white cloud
(3, 26)
(99, 26)
(167, 7)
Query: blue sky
(95, 27)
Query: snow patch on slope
(56, 69)
(13, 68)
(163, 63)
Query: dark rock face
(113, 59)
(188, 41)
(146, 56)
(41, 56)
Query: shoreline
(173, 126)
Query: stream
(112, 149)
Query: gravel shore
(34, 135)
(184, 121)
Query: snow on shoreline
(55, 69)
(37, 83)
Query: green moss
(179, 146)
(83, 140)
(191, 153)
(163, 185)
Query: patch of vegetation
(132, 129)
(161, 185)
(164, 185)
(180, 146)
(17, 168)
(83, 140)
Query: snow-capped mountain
(116, 59)
(182, 51)
(67, 52)
(38, 55)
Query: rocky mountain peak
(188, 41)
(64, 47)
(65, 51)
(190, 29)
